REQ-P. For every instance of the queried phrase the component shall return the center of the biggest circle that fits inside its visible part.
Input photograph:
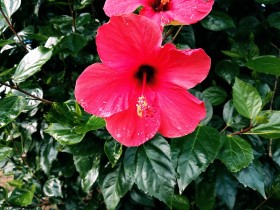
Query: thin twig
(168, 33)
(12, 29)
(92, 8)
(15, 87)
(73, 17)
(242, 131)
(177, 33)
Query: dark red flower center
(149, 73)
(160, 5)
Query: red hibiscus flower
(140, 86)
(162, 11)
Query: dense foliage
(55, 155)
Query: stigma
(164, 2)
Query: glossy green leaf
(228, 113)
(246, 99)
(113, 150)
(274, 20)
(115, 184)
(236, 153)
(72, 43)
(4, 42)
(217, 21)
(5, 152)
(208, 106)
(192, 154)
(64, 134)
(47, 155)
(271, 129)
(226, 187)
(275, 150)
(155, 174)
(268, 64)
(216, 95)
(10, 108)
(22, 196)
(126, 175)
(205, 195)
(32, 63)
(180, 202)
(10, 7)
(53, 188)
(253, 176)
(227, 70)
(88, 167)
(93, 123)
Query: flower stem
(15, 87)
(177, 33)
(12, 28)
(73, 17)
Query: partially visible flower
(140, 86)
(163, 12)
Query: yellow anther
(141, 105)
(164, 2)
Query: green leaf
(205, 195)
(4, 42)
(246, 99)
(155, 174)
(275, 150)
(88, 167)
(217, 21)
(274, 20)
(216, 95)
(5, 152)
(271, 129)
(180, 202)
(52, 188)
(227, 70)
(32, 63)
(64, 134)
(10, 108)
(268, 64)
(93, 123)
(47, 155)
(208, 106)
(236, 153)
(192, 154)
(10, 7)
(113, 150)
(267, 1)
(253, 177)
(21, 196)
(126, 176)
(72, 43)
(226, 187)
(228, 113)
(119, 180)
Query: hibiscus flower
(140, 86)
(163, 12)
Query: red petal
(192, 11)
(127, 41)
(161, 18)
(129, 128)
(102, 91)
(184, 68)
(113, 7)
(181, 112)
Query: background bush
(57, 156)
